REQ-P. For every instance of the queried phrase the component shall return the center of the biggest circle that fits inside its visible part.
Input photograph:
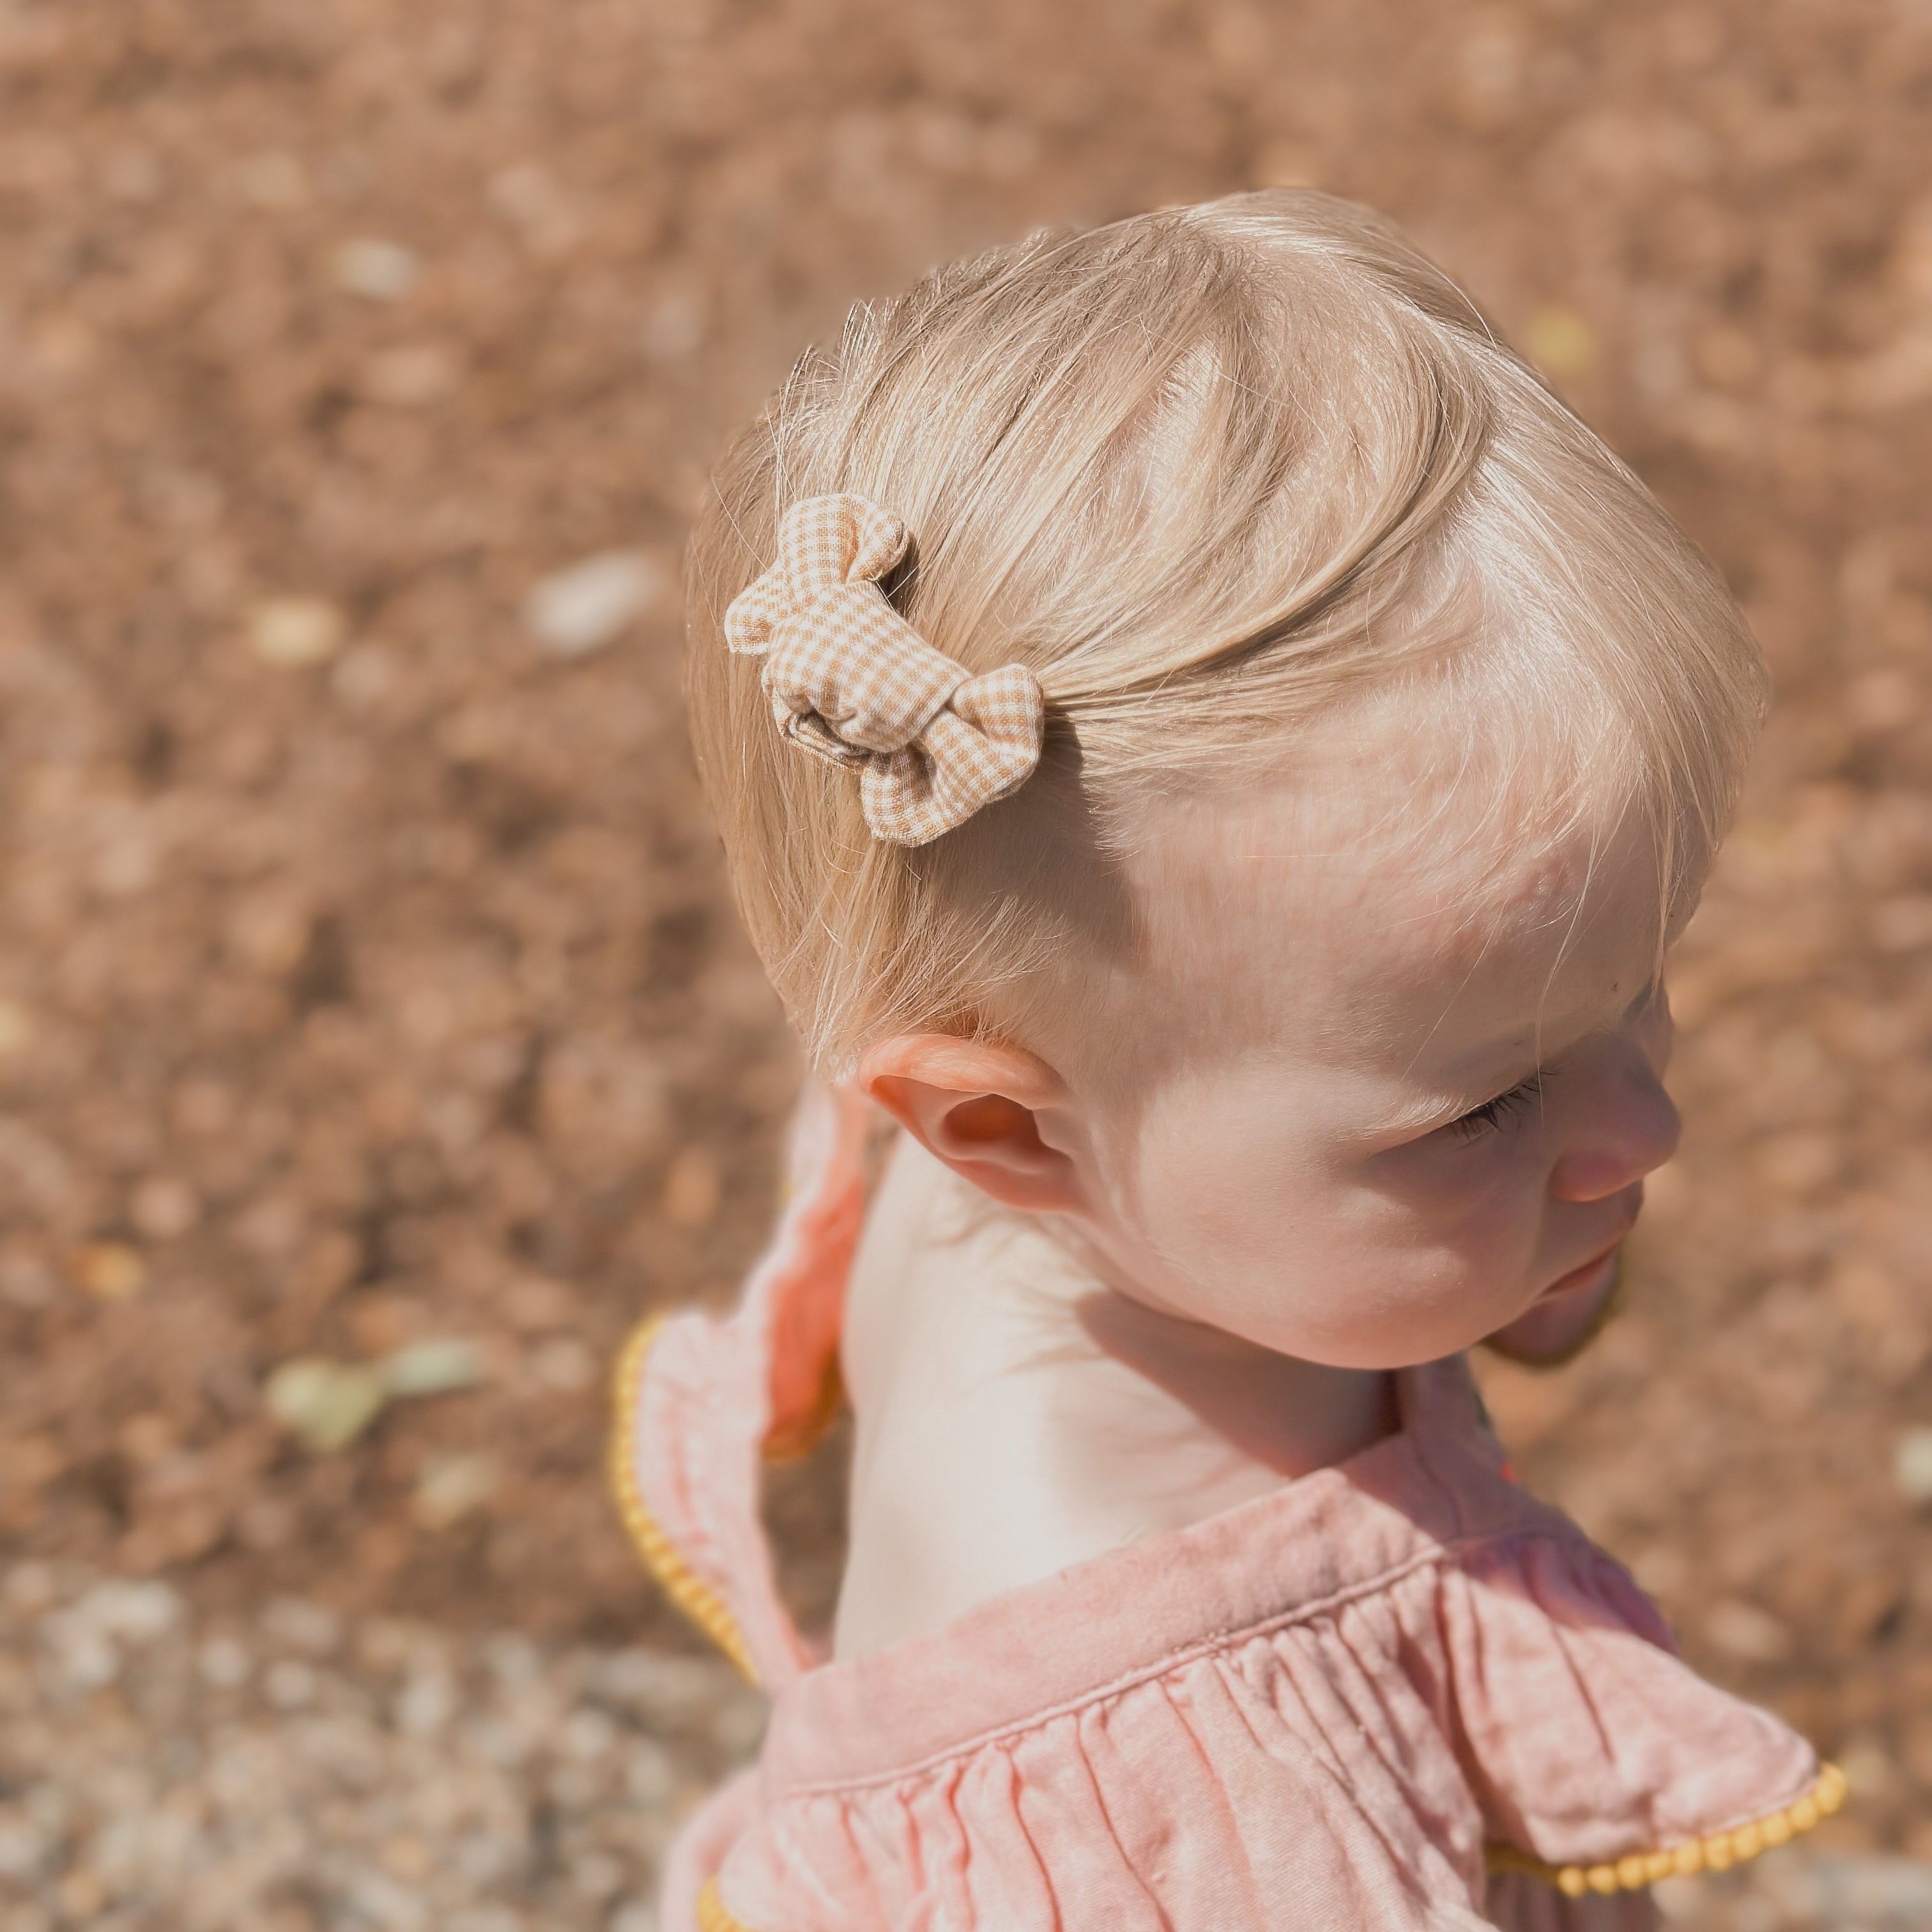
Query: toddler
(1214, 756)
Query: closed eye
(1491, 1114)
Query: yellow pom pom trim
(712, 1916)
(1717, 1851)
(682, 1584)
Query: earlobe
(987, 1111)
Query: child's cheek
(1225, 1205)
(1235, 1212)
(1463, 1224)
(1475, 1196)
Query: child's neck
(1016, 1414)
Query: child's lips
(1586, 1276)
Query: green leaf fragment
(325, 1405)
(431, 1368)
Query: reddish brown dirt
(398, 995)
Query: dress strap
(703, 1402)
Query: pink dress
(1398, 1693)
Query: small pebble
(301, 1626)
(428, 1702)
(598, 1875)
(22, 1845)
(1912, 1464)
(449, 1488)
(291, 632)
(26, 1281)
(693, 1190)
(224, 1664)
(135, 1613)
(582, 608)
(289, 1686)
(164, 1208)
(275, 181)
(675, 325)
(565, 1363)
(1871, 1891)
(1902, 924)
(1883, 699)
(1748, 1632)
(377, 270)
(587, 1736)
(16, 1027)
(85, 1659)
(411, 376)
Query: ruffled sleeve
(1602, 1762)
(702, 1404)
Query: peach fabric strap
(851, 682)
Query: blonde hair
(1210, 474)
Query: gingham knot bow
(851, 681)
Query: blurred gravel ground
(367, 976)
(164, 1772)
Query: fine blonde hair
(1211, 474)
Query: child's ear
(992, 1114)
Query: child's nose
(1636, 1129)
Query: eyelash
(1491, 1114)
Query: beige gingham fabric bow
(851, 681)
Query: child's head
(1391, 724)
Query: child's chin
(1554, 1328)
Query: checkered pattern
(851, 681)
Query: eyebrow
(1515, 1063)
(1489, 1069)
